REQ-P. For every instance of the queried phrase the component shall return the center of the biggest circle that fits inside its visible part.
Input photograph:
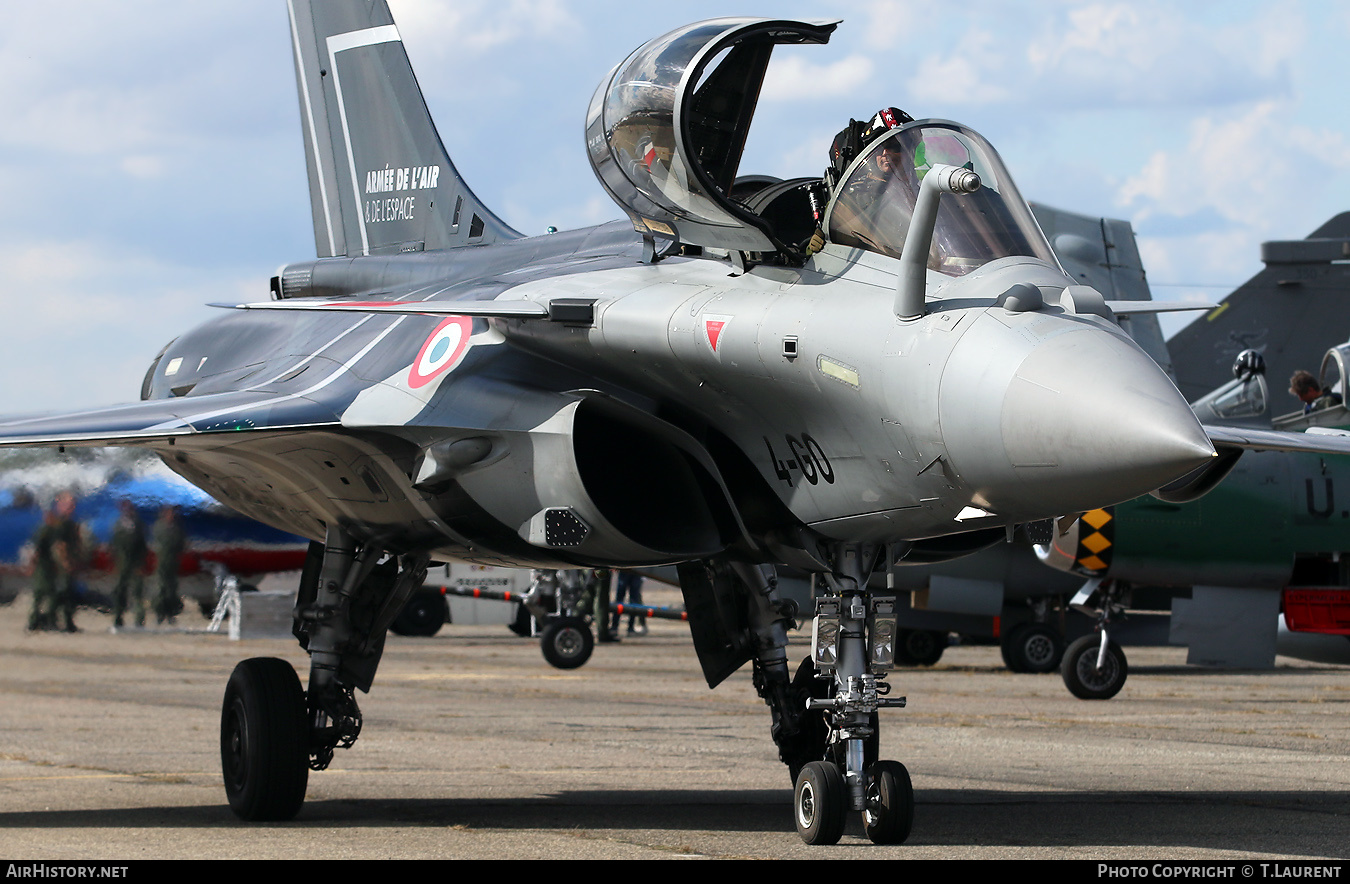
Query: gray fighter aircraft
(437, 386)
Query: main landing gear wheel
(920, 647)
(523, 625)
(1033, 647)
(264, 740)
(567, 642)
(1082, 676)
(423, 615)
(820, 803)
(890, 803)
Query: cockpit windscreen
(872, 207)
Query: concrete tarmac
(473, 747)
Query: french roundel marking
(442, 351)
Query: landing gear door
(666, 129)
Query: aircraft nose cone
(1086, 419)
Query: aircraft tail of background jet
(1291, 311)
(380, 179)
(1102, 253)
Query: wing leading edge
(164, 420)
(1315, 441)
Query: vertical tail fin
(1291, 311)
(380, 180)
(1102, 252)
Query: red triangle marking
(714, 327)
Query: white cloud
(449, 28)
(1201, 208)
(795, 79)
(891, 23)
(144, 165)
(1249, 169)
(88, 79)
(93, 318)
(1107, 54)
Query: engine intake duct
(1199, 482)
(594, 479)
(648, 483)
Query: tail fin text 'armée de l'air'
(380, 179)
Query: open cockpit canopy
(666, 129)
(872, 206)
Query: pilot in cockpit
(856, 136)
(887, 166)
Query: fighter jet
(824, 373)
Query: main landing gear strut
(273, 732)
(841, 687)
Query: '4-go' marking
(805, 456)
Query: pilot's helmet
(857, 135)
(883, 121)
(1248, 363)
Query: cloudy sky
(151, 160)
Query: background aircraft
(435, 385)
(1290, 312)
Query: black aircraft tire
(423, 615)
(820, 803)
(567, 642)
(1005, 646)
(522, 625)
(890, 803)
(920, 647)
(264, 741)
(1081, 675)
(1033, 647)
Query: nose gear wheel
(890, 803)
(1088, 681)
(820, 803)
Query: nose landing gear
(853, 645)
(1094, 666)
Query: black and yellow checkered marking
(1096, 533)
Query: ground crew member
(597, 587)
(129, 551)
(56, 557)
(168, 544)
